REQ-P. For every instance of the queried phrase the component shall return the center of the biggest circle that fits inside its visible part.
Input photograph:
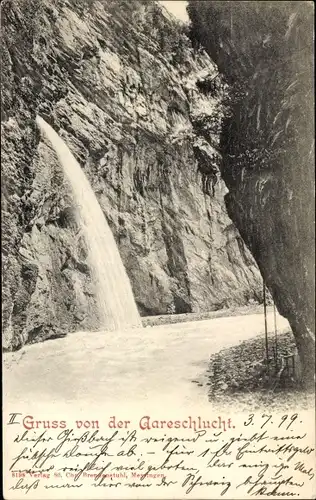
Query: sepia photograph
(158, 234)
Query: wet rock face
(140, 111)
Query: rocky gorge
(265, 52)
(141, 110)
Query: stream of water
(117, 307)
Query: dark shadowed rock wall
(265, 51)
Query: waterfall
(117, 307)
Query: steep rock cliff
(121, 84)
(265, 52)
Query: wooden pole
(275, 337)
(266, 326)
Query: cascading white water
(115, 298)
